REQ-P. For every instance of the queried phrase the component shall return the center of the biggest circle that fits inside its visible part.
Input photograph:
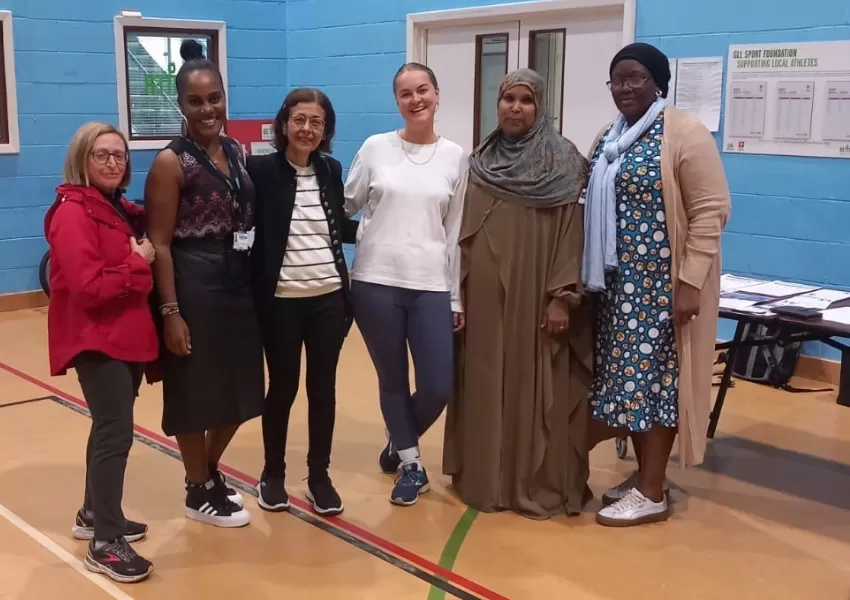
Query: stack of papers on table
(819, 299)
(779, 289)
(733, 283)
(838, 315)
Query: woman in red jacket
(100, 324)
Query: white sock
(410, 455)
(98, 544)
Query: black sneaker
(208, 504)
(326, 501)
(118, 561)
(389, 460)
(84, 528)
(271, 494)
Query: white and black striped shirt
(308, 265)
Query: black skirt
(222, 382)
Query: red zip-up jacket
(99, 287)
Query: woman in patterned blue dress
(637, 266)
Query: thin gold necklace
(403, 149)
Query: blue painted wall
(65, 62)
(790, 215)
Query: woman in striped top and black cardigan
(301, 287)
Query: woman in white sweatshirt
(409, 184)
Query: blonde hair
(81, 146)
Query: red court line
(364, 534)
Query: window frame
(128, 24)
(476, 98)
(10, 141)
(532, 58)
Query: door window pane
(153, 59)
(546, 56)
(491, 65)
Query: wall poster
(788, 99)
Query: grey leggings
(390, 318)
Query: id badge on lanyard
(243, 241)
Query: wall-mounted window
(546, 56)
(10, 142)
(147, 60)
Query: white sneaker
(633, 509)
(620, 491)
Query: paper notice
(699, 88)
(261, 148)
(674, 66)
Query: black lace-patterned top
(210, 205)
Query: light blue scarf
(600, 211)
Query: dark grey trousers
(110, 387)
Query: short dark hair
(415, 66)
(297, 96)
(193, 55)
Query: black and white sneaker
(325, 499)
(84, 527)
(272, 494)
(232, 495)
(118, 561)
(208, 504)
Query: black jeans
(110, 387)
(319, 325)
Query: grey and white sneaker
(633, 509)
(618, 492)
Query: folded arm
(74, 246)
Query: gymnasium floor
(767, 515)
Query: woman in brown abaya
(515, 433)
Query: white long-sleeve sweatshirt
(412, 200)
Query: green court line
(452, 547)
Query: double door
(572, 55)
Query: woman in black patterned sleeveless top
(200, 204)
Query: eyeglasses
(315, 123)
(101, 157)
(631, 83)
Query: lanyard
(234, 183)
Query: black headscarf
(655, 61)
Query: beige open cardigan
(697, 206)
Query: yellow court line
(63, 555)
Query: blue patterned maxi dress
(637, 366)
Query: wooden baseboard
(819, 369)
(22, 301)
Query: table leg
(844, 379)
(726, 379)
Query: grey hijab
(542, 169)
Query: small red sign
(255, 135)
